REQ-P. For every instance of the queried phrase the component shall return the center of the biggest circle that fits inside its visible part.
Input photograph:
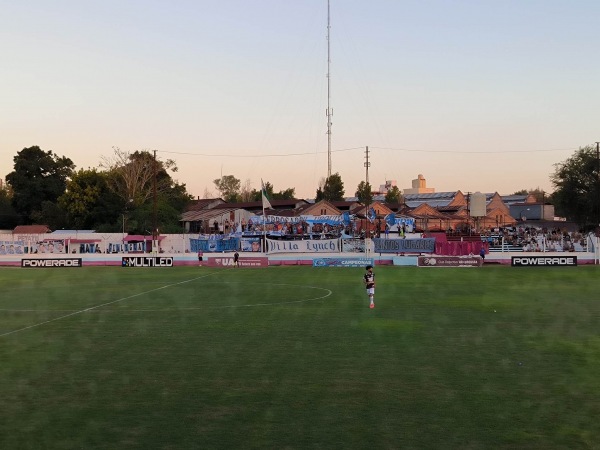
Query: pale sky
(475, 95)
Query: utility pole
(154, 225)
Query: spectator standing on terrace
(369, 280)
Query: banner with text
(425, 245)
(244, 261)
(450, 261)
(11, 247)
(209, 245)
(325, 219)
(343, 262)
(309, 246)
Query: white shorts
(371, 291)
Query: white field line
(104, 304)
(250, 305)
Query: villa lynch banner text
(305, 246)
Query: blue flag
(372, 215)
(346, 218)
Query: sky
(474, 95)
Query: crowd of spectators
(536, 239)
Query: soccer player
(236, 259)
(369, 280)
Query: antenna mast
(329, 110)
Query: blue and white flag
(265, 201)
(372, 215)
(346, 218)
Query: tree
(229, 187)
(135, 178)
(288, 194)
(89, 203)
(246, 191)
(319, 194)
(364, 193)
(207, 194)
(8, 216)
(393, 195)
(334, 188)
(38, 176)
(577, 183)
(132, 175)
(539, 194)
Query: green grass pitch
(293, 358)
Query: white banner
(330, 219)
(304, 246)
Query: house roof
(510, 199)
(435, 199)
(197, 205)
(31, 229)
(206, 214)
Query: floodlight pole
(329, 110)
(367, 165)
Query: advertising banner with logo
(147, 261)
(343, 262)
(214, 245)
(425, 245)
(51, 262)
(245, 261)
(308, 246)
(450, 261)
(544, 261)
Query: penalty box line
(91, 308)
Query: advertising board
(51, 262)
(450, 261)
(244, 261)
(544, 261)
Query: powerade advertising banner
(425, 245)
(544, 261)
(213, 245)
(343, 262)
(308, 246)
(51, 262)
(147, 261)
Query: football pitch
(293, 358)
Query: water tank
(477, 205)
